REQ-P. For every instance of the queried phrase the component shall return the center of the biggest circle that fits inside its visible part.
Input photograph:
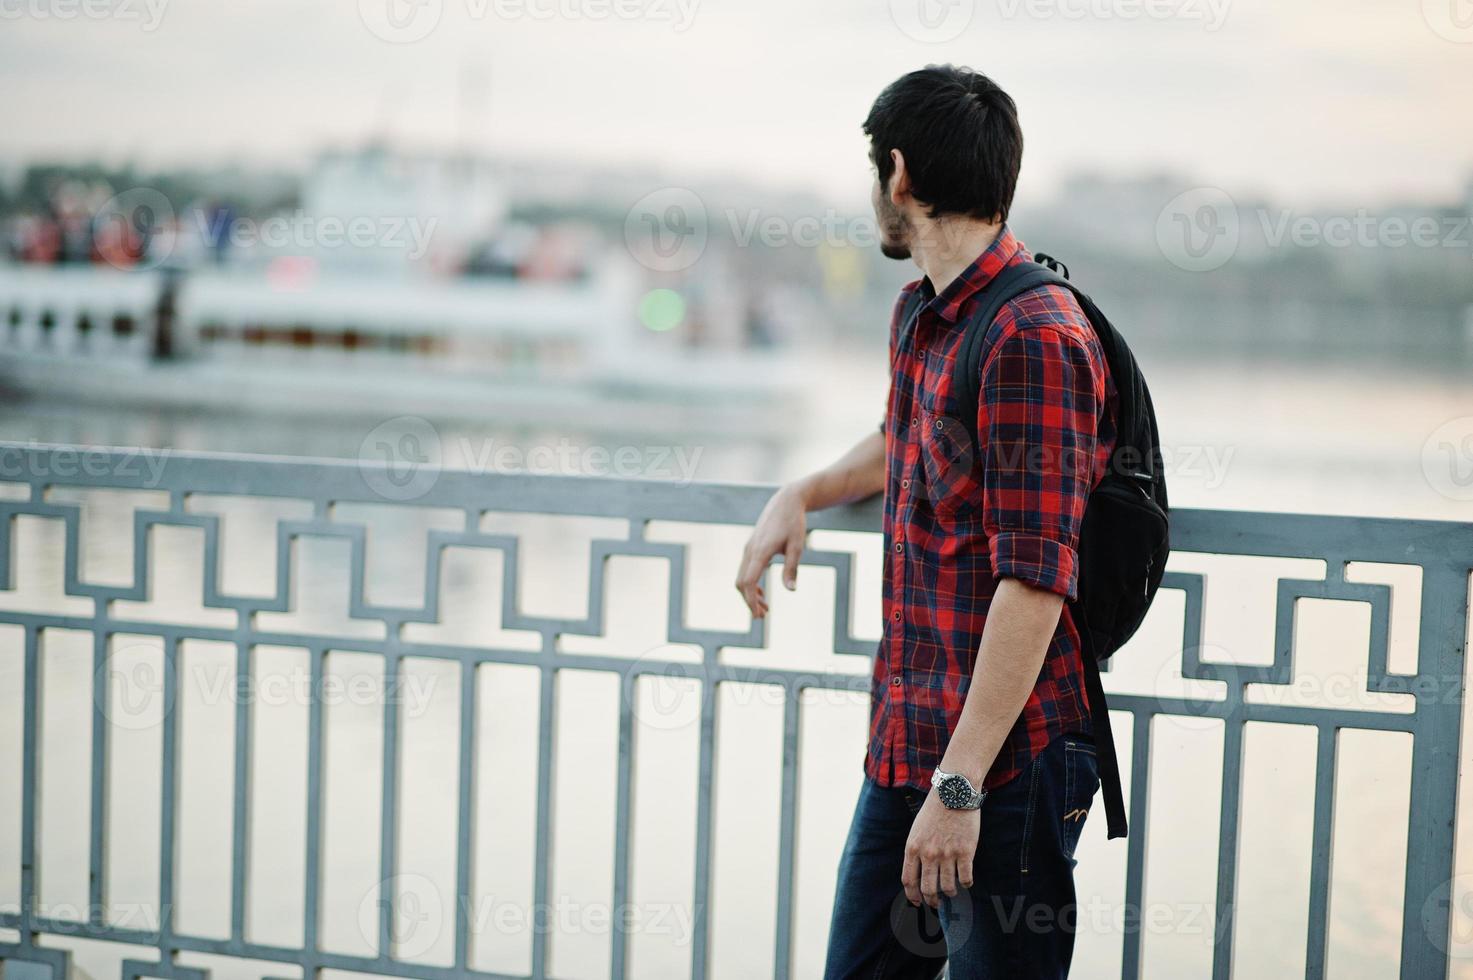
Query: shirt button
(915, 421)
(897, 615)
(938, 424)
(905, 484)
(899, 547)
(895, 681)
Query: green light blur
(661, 309)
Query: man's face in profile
(895, 229)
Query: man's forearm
(858, 474)
(1020, 624)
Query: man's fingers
(749, 585)
(759, 600)
(754, 565)
(744, 572)
(792, 554)
(748, 598)
(744, 567)
(928, 884)
(964, 871)
(910, 880)
(746, 582)
(947, 874)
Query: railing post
(1430, 891)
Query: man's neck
(943, 248)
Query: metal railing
(1442, 551)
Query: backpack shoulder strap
(910, 311)
(1010, 283)
(966, 378)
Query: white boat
(295, 338)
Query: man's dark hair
(960, 137)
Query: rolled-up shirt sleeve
(1038, 421)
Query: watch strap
(951, 799)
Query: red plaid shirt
(953, 529)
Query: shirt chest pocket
(953, 485)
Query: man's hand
(939, 853)
(780, 530)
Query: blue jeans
(1016, 921)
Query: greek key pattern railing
(1442, 551)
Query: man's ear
(899, 179)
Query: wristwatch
(956, 791)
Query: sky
(1343, 102)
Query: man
(978, 682)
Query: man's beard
(894, 230)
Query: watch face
(955, 792)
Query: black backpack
(1124, 538)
